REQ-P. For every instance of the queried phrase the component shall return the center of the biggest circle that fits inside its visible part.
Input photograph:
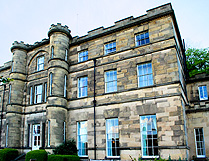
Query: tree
(197, 61)
(5, 80)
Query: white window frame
(65, 86)
(203, 144)
(203, 90)
(114, 132)
(138, 42)
(40, 65)
(110, 47)
(145, 125)
(36, 135)
(83, 87)
(37, 95)
(145, 75)
(82, 133)
(111, 81)
(83, 56)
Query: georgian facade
(118, 91)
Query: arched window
(65, 86)
(66, 54)
(50, 83)
(52, 52)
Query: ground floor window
(82, 141)
(199, 141)
(112, 137)
(149, 142)
(36, 137)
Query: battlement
(59, 28)
(19, 45)
(27, 47)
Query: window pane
(203, 93)
(148, 129)
(145, 77)
(82, 142)
(200, 147)
(110, 47)
(112, 134)
(38, 94)
(142, 39)
(83, 87)
(40, 63)
(83, 56)
(111, 81)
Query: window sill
(112, 157)
(82, 97)
(149, 157)
(84, 156)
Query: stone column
(16, 94)
(58, 67)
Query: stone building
(118, 91)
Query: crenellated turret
(58, 72)
(16, 94)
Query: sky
(29, 20)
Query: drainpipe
(94, 101)
(2, 112)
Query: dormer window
(40, 63)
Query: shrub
(8, 154)
(39, 155)
(67, 148)
(63, 158)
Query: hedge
(39, 155)
(63, 158)
(8, 154)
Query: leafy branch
(197, 61)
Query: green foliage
(67, 148)
(8, 154)
(197, 61)
(5, 80)
(160, 159)
(39, 155)
(63, 158)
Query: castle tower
(57, 72)
(16, 94)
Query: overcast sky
(29, 20)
